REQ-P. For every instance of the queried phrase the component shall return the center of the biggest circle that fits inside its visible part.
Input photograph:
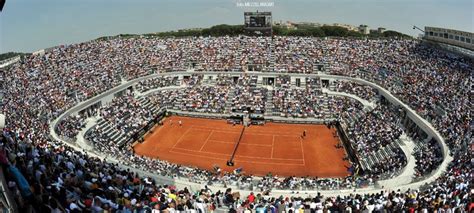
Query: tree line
(8, 55)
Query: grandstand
(398, 111)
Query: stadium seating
(42, 87)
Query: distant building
(287, 24)
(311, 24)
(451, 37)
(347, 26)
(294, 25)
(364, 29)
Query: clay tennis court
(275, 147)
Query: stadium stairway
(325, 69)
(80, 140)
(271, 66)
(238, 59)
(408, 172)
(309, 64)
(315, 67)
(146, 103)
(269, 108)
(253, 82)
(228, 101)
(371, 159)
(111, 131)
(327, 101)
(332, 87)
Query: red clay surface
(274, 147)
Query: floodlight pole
(417, 28)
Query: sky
(30, 25)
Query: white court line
(302, 151)
(245, 161)
(152, 134)
(288, 159)
(275, 132)
(198, 156)
(213, 128)
(154, 128)
(250, 132)
(207, 139)
(226, 142)
(251, 157)
(205, 152)
(273, 146)
(180, 138)
(244, 156)
(247, 133)
(272, 133)
(255, 144)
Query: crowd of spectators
(247, 96)
(374, 131)
(127, 113)
(433, 82)
(286, 100)
(125, 116)
(63, 180)
(70, 126)
(306, 100)
(254, 53)
(158, 82)
(365, 92)
(296, 54)
(204, 99)
(214, 54)
(167, 98)
(41, 87)
(337, 105)
(290, 102)
(377, 129)
(428, 157)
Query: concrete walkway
(407, 174)
(81, 141)
(367, 105)
(138, 94)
